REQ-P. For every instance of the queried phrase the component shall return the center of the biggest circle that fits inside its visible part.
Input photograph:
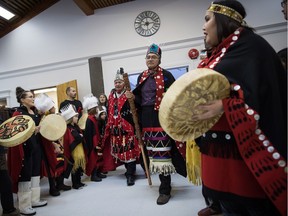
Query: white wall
(55, 46)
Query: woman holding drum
(244, 153)
(24, 160)
(241, 126)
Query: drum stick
(137, 127)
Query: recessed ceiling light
(6, 14)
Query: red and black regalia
(93, 145)
(55, 161)
(163, 154)
(250, 140)
(25, 160)
(108, 160)
(74, 152)
(120, 130)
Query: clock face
(147, 23)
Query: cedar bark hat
(43, 103)
(89, 102)
(153, 48)
(68, 111)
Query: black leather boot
(53, 191)
(101, 175)
(95, 177)
(130, 180)
(75, 182)
(60, 184)
(130, 173)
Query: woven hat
(89, 102)
(101, 109)
(119, 74)
(68, 111)
(153, 48)
(43, 102)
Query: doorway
(57, 93)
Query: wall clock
(147, 23)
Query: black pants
(165, 185)
(130, 168)
(257, 208)
(76, 177)
(7, 201)
(32, 162)
(211, 203)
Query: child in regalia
(93, 144)
(73, 147)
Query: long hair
(106, 101)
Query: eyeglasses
(152, 57)
(30, 97)
(283, 3)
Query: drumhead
(16, 130)
(53, 127)
(179, 103)
(82, 121)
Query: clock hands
(147, 23)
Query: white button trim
(214, 135)
(261, 137)
(237, 87)
(257, 117)
(270, 149)
(276, 155)
(266, 143)
(250, 112)
(281, 163)
(227, 136)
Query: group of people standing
(244, 155)
(37, 156)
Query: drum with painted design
(179, 104)
(16, 130)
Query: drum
(180, 102)
(16, 130)
(53, 127)
(82, 121)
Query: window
(176, 72)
